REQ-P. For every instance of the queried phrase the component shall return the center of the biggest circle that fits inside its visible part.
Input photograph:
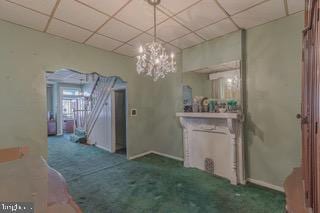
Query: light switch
(133, 112)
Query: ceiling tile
(141, 40)
(140, 14)
(177, 5)
(171, 49)
(44, 6)
(109, 7)
(22, 16)
(68, 31)
(204, 13)
(145, 38)
(234, 6)
(260, 14)
(127, 50)
(103, 42)
(295, 6)
(118, 30)
(187, 41)
(170, 30)
(221, 28)
(80, 15)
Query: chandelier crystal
(153, 59)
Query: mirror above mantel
(225, 85)
(219, 83)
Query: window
(72, 92)
(68, 106)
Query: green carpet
(103, 182)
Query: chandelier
(153, 59)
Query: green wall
(168, 92)
(273, 54)
(217, 51)
(273, 98)
(26, 54)
(168, 100)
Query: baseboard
(139, 155)
(265, 184)
(157, 153)
(101, 147)
(257, 182)
(168, 156)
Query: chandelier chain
(155, 23)
(153, 59)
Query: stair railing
(97, 100)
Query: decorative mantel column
(217, 137)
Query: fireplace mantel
(208, 115)
(217, 136)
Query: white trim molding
(265, 184)
(167, 155)
(156, 153)
(102, 147)
(113, 117)
(256, 182)
(139, 155)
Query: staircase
(79, 136)
(88, 112)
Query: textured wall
(168, 92)
(216, 51)
(273, 91)
(24, 57)
(273, 73)
(273, 98)
(167, 102)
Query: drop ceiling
(122, 25)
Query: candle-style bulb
(140, 49)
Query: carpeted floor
(103, 182)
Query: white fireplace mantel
(217, 136)
(208, 115)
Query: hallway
(102, 182)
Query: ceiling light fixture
(153, 59)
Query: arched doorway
(87, 108)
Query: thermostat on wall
(133, 112)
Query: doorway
(89, 109)
(120, 123)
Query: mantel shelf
(208, 115)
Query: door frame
(310, 109)
(113, 109)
